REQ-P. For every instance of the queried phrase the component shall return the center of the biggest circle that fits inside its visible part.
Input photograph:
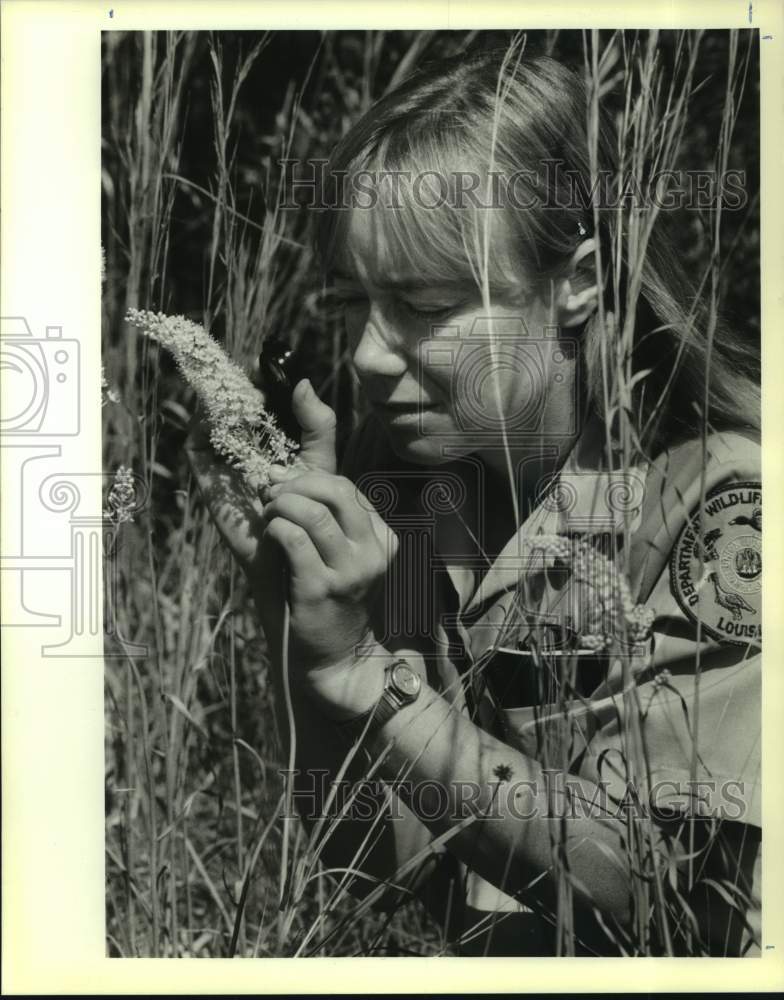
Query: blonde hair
(444, 121)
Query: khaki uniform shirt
(678, 715)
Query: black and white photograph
(433, 517)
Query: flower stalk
(241, 429)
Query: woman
(549, 778)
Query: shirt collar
(584, 498)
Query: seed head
(607, 610)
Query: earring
(581, 229)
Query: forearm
(450, 769)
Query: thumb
(318, 423)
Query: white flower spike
(241, 430)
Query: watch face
(406, 680)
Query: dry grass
(201, 859)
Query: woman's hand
(336, 551)
(316, 541)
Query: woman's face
(442, 376)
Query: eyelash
(344, 302)
(428, 314)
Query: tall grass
(203, 855)
(195, 795)
(655, 112)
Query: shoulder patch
(716, 564)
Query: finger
(353, 511)
(336, 493)
(305, 566)
(318, 423)
(319, 522)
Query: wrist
(351, 687)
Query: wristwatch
(402, 686)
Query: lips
(406, 417)
(392, 406)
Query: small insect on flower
(241, 429)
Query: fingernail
(278, 472)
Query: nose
(378, 350)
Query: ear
(577, 295)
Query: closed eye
(431, 313)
